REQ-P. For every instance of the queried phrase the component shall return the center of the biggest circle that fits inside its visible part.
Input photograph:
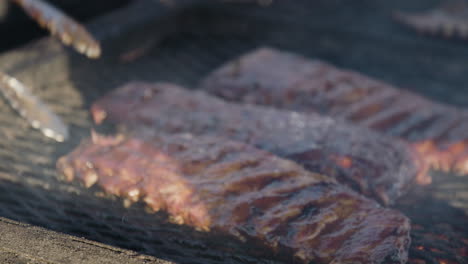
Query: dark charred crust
(243, 193)
(310, 86)
(375, 166)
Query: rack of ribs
(289, 81)
(226, 188)
(373, 165)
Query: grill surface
(359, 35)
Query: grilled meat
(438, 132)
(375, 166)
(233, 189)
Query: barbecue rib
(233, 189)
(288, 81)
(448, 20)
(359, 158)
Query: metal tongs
(70, 33)
(32, 108)
(19, 96)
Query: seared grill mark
(386, 120)
(375, 166)
(245, 193)
(439, 126)
(459, 129)
(350, 96)
(424, 122)
(405, 125)
(369, 105)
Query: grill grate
(353, 34)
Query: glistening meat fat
(289, 81)
(232, 189)
(373, 165)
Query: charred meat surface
(289, 81)
(230, 188)
(449, 20)
(375, 166)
